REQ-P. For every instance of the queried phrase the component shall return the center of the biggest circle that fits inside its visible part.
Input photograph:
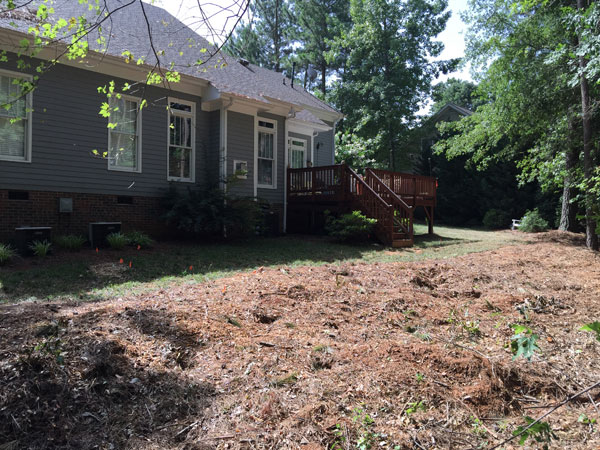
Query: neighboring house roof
(448, 108)
(125, 30)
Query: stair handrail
(391, 193)
(365, 185)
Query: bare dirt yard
(407, 355)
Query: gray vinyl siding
(240, 146)
(324, 149)
(276, 195)
(66, 129)
(308, 144)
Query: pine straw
(282, 358)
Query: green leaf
(593, 327)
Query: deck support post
(429, 214)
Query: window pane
(266, 124)
(180, 160)
(12, 137)
(123, 151)
(180, 131)
(265, 145)
(124, 115)
(181, 107)
(10, 95)
(265, 171)
(297, 159)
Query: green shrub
(138, 238)
(210, 211)
(71, 242)
(117, 241)
(351, 227)
(533, 222)
(40, 248)
(6, 254)
(496, 219)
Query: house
(62, 166)
(429, 133)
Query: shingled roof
(176, 43)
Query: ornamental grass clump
(40, 248)
(139, 239)
(6, 254)
(117, 241)
(70, 242)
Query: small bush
(208, 212)
(533, 222)
(71, 242)
(40, 248)
(137, 238)
(117, 241)
(496, 219)
(351, 227)
(6, 254)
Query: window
(181, 153)
(297, 153)
(267, 151)
(240, 169)
(15, 122)
(125, 135)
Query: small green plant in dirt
(286, 380)
(478, 428)
(533, 222)
(117, 241)
(583, 418)
(339, 438)
(414, 407)
(40, 248)
(353, 227)
(139, 239)
(540, 432)
(70, 242)
(6, 254)
(51, 346)
(366, 438)
(420, 377)
(523, 342)
(593, 327)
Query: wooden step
(399, 243)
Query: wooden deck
(389, 197)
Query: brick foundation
(42, 209)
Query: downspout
(223, 147)
(285, 171)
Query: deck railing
(408, 186)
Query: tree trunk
(591, 239)
(324, 78)
(568, 220)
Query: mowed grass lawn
(88, 275)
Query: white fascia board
(303, 127)
(322, 114)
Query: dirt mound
(398, 355)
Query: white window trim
(29, 107)
(273, 131)
(290, 144)
(138, 130)
(235, 162)
(191, 114)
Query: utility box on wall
(65, 205)
(99, 230)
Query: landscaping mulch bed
(390, 355)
